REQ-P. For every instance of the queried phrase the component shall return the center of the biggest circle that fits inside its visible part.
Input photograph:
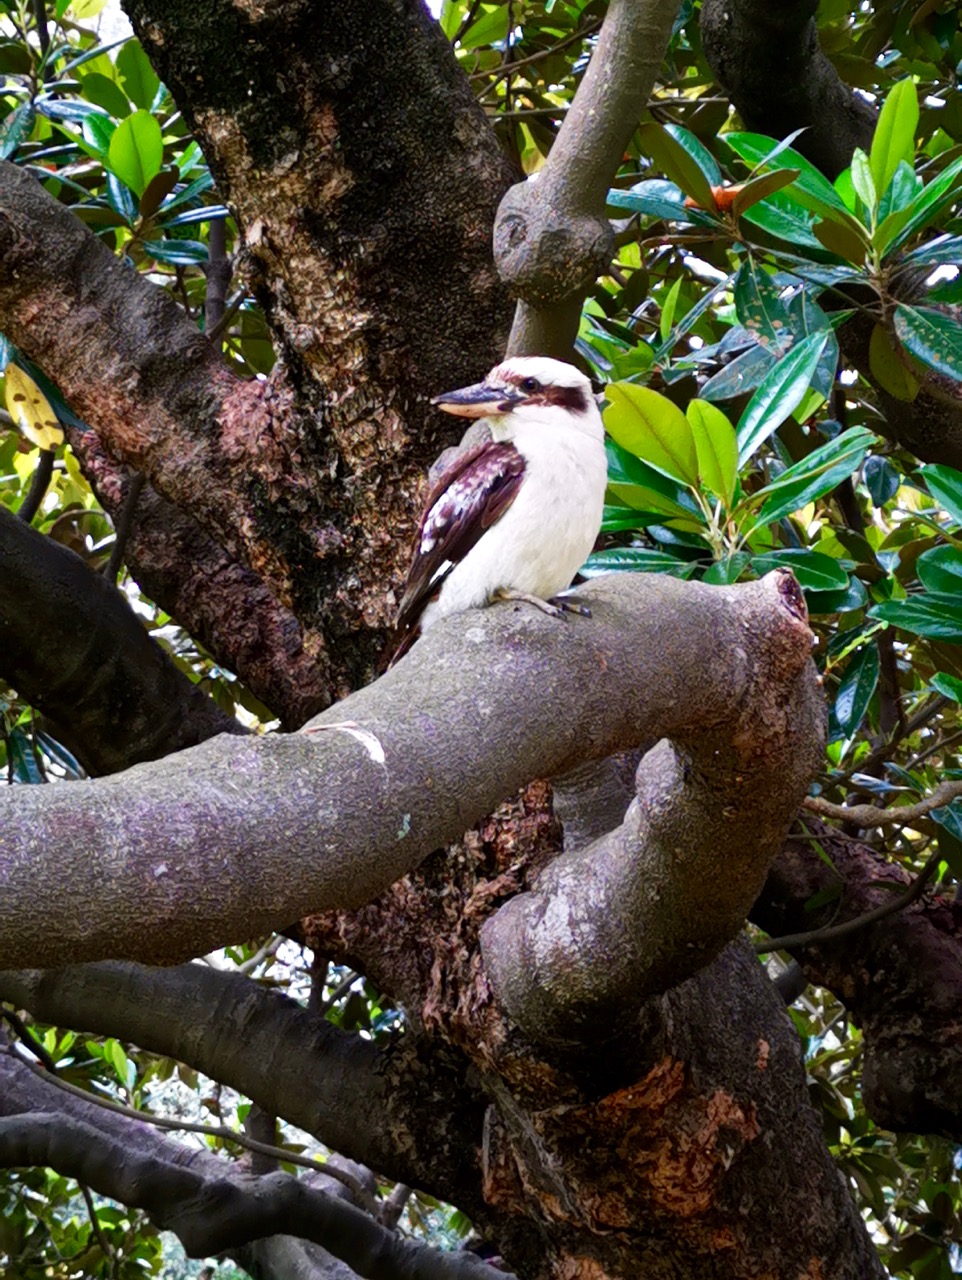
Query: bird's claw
(563, 605)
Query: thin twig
(496, 76)
(39, 484)
(469, 18)
(122, 531)
(834, 931)
(342, 987)
(231, 310)
(866, 815)
(98, 1229)
(212, 1131)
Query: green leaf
(780, 392)
(634, 559)
(841, 239)
(668, 309)
(785, 218)
(157, 190)
(855, 692)
(104, 92)
(676, 163)
(939, 193)
(724, 572)
(651, 427)
(759, 304)
(741, 375)
(937, 616)
(138, 77)
(97, 130)
(136, 150)
(645, 489)
(932, 337)
(16, 58)
(948, 685)
(940, 569)
(177, 253)
(811, 189)
(760, 188)
(863, 181)
(21, 759)
(894, 137)
(814, 570)
(16, 128)
(715, 447)
(889, 371)
(821, 471)
(698, 152)
(656, 198)
(881, 479)
(945, 486)
(945, 249)
(490, 28)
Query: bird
(515, 517)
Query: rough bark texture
(115, 698)
(232, 611)
(900, 978)
(768, 60)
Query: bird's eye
(531, 385)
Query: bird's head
(524, 390)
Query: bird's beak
(479, 401)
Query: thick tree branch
(210, 1207)
(900, 977)
(362, 1101)
(551, 236)
(236, 837)
(768, 60)
(652, 901)
(82, 656)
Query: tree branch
(768, 59)
(210, 1208)
(900, 977)
(654, 900)
(364, 1102)
(81, 656)
(239, 836)
(551, 236)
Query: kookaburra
(516, 516)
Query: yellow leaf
(30, 409)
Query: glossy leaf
(650, 426)
(724, 572)
(932, 337)
(138, 77)
(935, 616)
(31, 410)
(881, 480)
(935, 197)
(945, 249)
(760, 188)
(715, 448)
(863, 181)
(855, 691)
(97, 130)
(759, 304)
(15, 129)
(779, 394)
(814, 570)
(635, 559)
(676, 163)
(177, 253)
(811, 189)
(945, 486)
(657, 198)
(784, 218)
(136, 150)
(741, 375)
(156, 192)
(644, 488)
(894, 137)
(104, 92)
(815, 475)
(948, 685)
(940, 569)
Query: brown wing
(467, 499)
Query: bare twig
(39, 483)
(494, 77)
(122, 532)
(213, 1131)
(866, 815)
(834, 931)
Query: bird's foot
(568, 605)
(554, 607)
(546, 606)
